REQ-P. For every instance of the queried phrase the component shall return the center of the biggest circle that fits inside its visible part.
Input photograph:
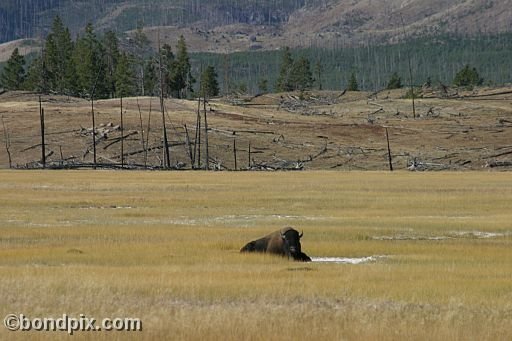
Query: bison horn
(301, 234)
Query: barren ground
(323, 131)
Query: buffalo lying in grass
(284, 242)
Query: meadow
(164, 247)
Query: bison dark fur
(284, 242)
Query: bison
(284, 242)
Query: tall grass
(164, 247)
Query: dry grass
(164, 247)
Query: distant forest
(436, 59)
(33, 18)
(433, 59)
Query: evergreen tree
(90, 65)
(58, 59)
(13, 74)
(352, 83)
(183, 80)
(301, 77)
(35, 80)
(263, 85)
(209, 84)
(150, 77)
(168, 70)
(468, 77)
(283, 80)
(112, 56)
(124, 77)
(395, 82)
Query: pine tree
(209, 84)
(169, 69)
(352, 83)
(301, 77)
(90, 65)
(13, 74)
(34, 80)
(150, 78)
(124, 77)
(183, 80)
(468, 77)
(263, 85)
(112, 56)
(395, 82)
(58, 59)
(283, 80)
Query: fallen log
(495, 164)
(119, 139)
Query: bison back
(259, 245)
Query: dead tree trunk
(147, 135)
(43, 146)
(122, 133)
(197, 144)
(249, 155)
(7, 141)
(207, 156)
(167, 158)
(189, 145)
(142, 133)
(390, 159)
(234, 153)
(410, 72)
(93, 132)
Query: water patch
(449, 235)
(345, 260)
(480, 234)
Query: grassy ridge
(164, 247)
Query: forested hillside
(275, 23)
(435, 59)
(28, 18)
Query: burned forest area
(312, 130)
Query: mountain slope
(235, 25)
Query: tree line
(434, 60)
(96, 66)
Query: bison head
(291, 241)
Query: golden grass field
(164, 247)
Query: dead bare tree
(122, 133)
(149, 130)
(167, 158)
(390, 159)
(234, 153)
(43, 145)
(7, 141)
(207, 156)
(410, 71)
(188, 145)
(197, 141)
(142, 133)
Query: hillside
(233, 25)
(324, 130)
